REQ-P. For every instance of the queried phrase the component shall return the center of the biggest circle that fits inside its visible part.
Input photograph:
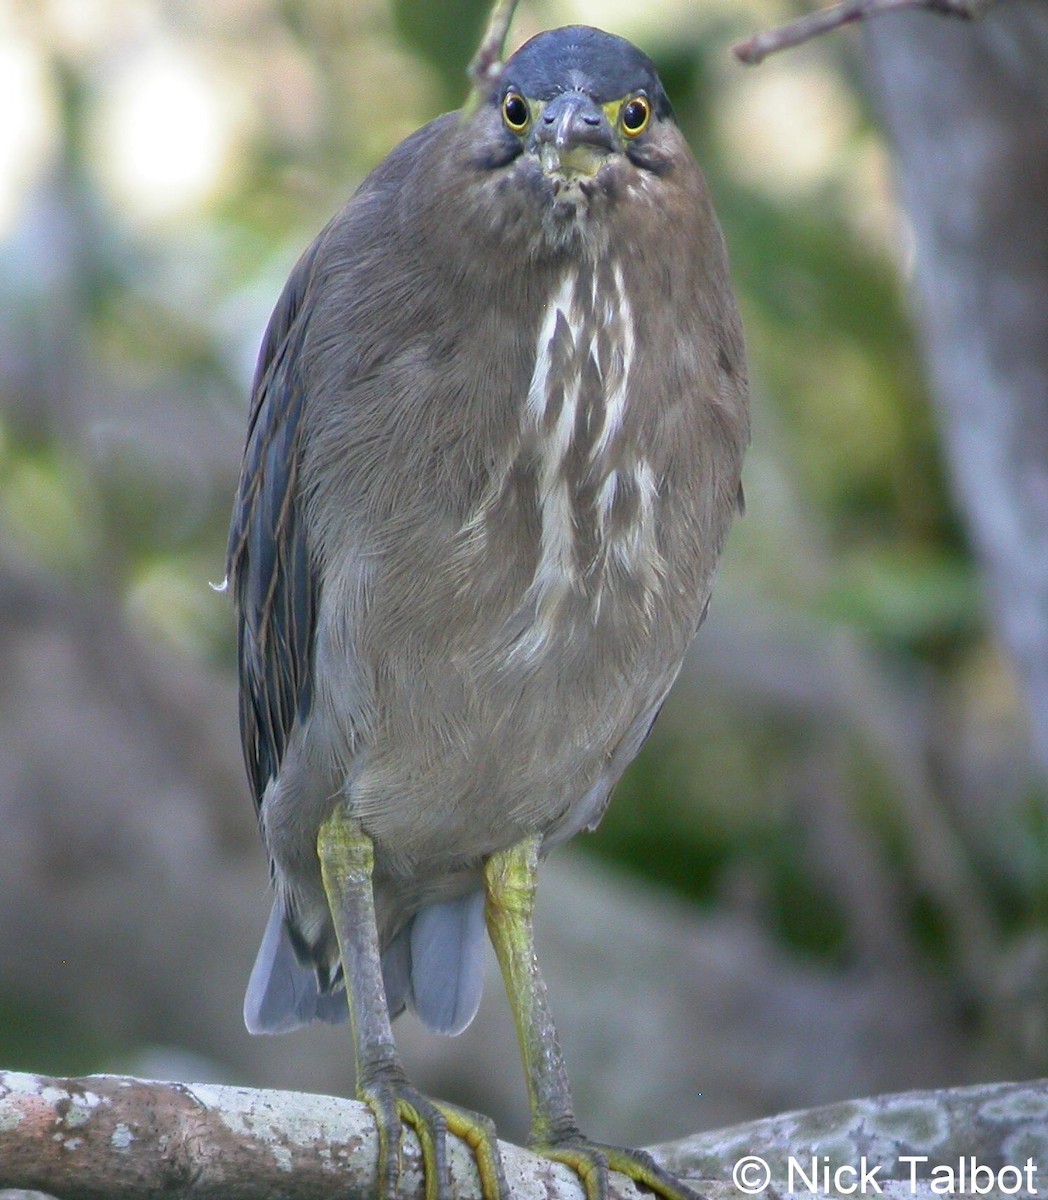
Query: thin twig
(486, 65)
(757, 48)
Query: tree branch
(486, 65)
(106, 1135)
(756, 49)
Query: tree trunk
(966, 105)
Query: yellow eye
(515, 112)
(636, 114)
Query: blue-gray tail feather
(282, 993)
(447, 962)
(434, 965)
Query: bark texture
(106, 1135)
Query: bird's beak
(572, 137)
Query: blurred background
(827, 873)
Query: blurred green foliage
(444, 35)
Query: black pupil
(635, 115)
(516, 111)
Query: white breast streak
(618, 313)
(616, 375)
(557, 572)
(538, 389)
(636, 549)
(606, 498)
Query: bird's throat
(571, 162)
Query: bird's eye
(515, 112)
(635, 116)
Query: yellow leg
(347, 860)
(510, 879)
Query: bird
(494, 449)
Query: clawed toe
(592, 1161)
(478, 1132)
(398, 1104)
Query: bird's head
(577, 121)
(573, 100)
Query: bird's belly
(522, 647)
(506, 735)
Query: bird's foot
(592, 1161)
(396, 1104)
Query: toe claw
(429, 1123)
(478, 1132)
(396, 1104)
(643, 1169)
(390, 1136)
(592, 1161)
(586, 1159)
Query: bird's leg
(509, 878)
(347, 861)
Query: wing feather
(275, 583)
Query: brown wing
(275, 584)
